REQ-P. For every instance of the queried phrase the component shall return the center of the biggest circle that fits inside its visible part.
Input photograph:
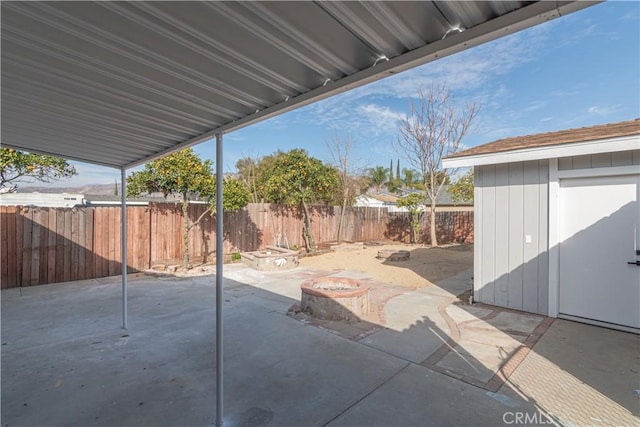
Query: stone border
(359, 288)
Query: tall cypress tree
(398, 169)
(391, 171)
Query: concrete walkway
(65, 361)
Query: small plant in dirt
(235, 257)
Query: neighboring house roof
(111, 199)
(364, 200)
(52, 200)
(93, 199)
(385, 197)
(610, 137)
(444, 198)
(69, 200)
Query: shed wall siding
(511, 203)
(602, 160)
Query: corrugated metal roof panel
(118, 83)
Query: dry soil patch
(425, 265)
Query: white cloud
(632, 15)
(473, 75)
(534, 106)
(381, 119)
(604, 110)
(469, 70)
(546, 119)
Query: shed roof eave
(607, 145)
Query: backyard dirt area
(425, 265)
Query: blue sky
(579, 70)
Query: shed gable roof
(609, 137)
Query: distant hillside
(87, 189)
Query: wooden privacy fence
(48, 245)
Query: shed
(557, 223)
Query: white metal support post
(123, 240)
(219, 272)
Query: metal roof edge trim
(75, 159)
(509, 23)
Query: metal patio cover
(118, 84)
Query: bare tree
(341, 150)
(247, 169)
(433, 130)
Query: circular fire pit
(335, 298)
(393, 255)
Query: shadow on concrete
(592, 363)
(66, 362)
(426, 263)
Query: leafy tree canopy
(235, 193)
(462, 189)
(17, 166)
(295, 178)
(253, 172)
(377, 176)
(181, 173)
(411, 178)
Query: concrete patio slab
(419, 397)
(481, 332)
(584, 374)
(452, 286)
(516, 323)
(65, 360)
(162, 371)
(469, 313)
(413, 328)
(479, 361)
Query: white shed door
(599, 228)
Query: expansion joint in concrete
(368, 394)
